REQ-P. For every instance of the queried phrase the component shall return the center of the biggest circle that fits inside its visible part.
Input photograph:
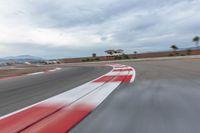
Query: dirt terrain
(21, 70)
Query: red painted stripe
(8, 77)
(23, 119)
(122, 70)
(62, 121)
(127, 78)
(120, 78)
(104, 79)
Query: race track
(20, 92)
(165, 98)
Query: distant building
(27, 63)
(110, 52)
(117, 52)
(52, 62)
(120, 51)
(94, 55)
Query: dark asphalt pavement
(23, 91)
(165, 98)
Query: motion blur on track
(163, 99)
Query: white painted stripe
(52, 70)
(134, 75)
(74, 94)
(99, 95)
(36, 73)
(117, 73)
(56, 69)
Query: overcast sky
(72, 28)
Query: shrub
(124, 56)
(189, 52)
(97, 59)
(118, 57)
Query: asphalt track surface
(20, 92)
(165, 98)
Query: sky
(73, 28)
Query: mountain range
(21, 58)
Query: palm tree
(135, 53)
(196, 39)
(174, 47)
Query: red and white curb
(60, 113)
(36, 73)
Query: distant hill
(21, 59)
(2, 60)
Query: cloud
(65, 28)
